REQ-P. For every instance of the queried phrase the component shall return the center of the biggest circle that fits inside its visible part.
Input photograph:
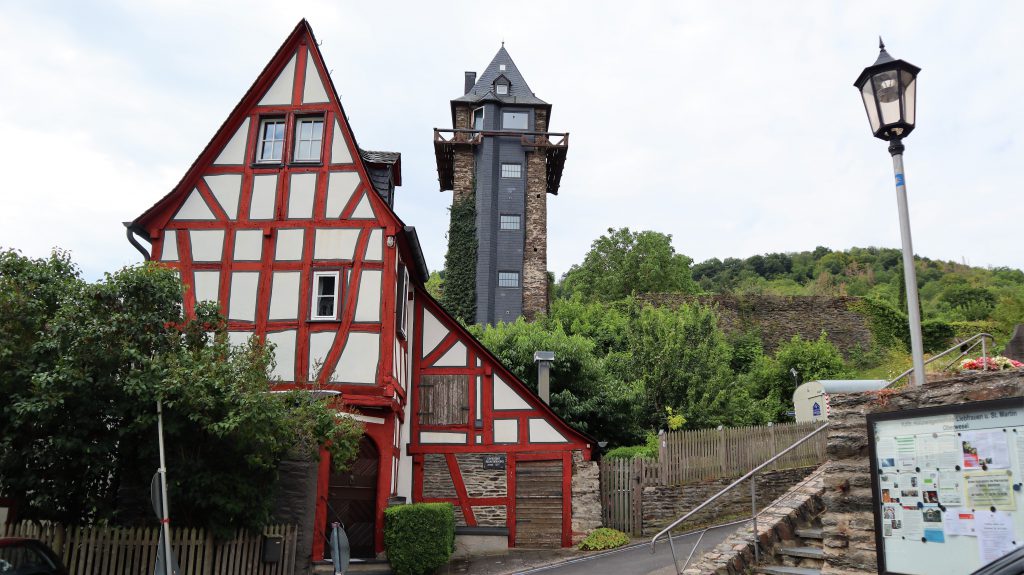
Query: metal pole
(909, 273)
(165, 520)
(753, 517)
(984, 353)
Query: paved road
(639, 560)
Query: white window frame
(501, 89)
(504, 116)
(503, 227)
(483, 117)
(316, 296)
(260, 159)
(512, 167)
(402, 305)
(299, 140)
(514, 274)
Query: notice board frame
(873, 418)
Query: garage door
(539, 504)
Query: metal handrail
(713, 498)
(980, 337)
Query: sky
(732, 126)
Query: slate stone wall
(849, 518)
(779, 318)
(296, 504)
(481, 482)
(437, 480)
(586, 497)
(662, 505)
(535, 245)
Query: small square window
(325, 296)
(508, 279)
(511, 170)
(515, 120)
(509, 221)
(271, 140)
(309, 137)
(501, 89)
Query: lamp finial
(881, 45)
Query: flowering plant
(990, 363)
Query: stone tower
(501, 152)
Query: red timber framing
(378, 398)
(479, 426)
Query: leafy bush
(649, 450)
(420, 537)
(604, 538)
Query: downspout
(131, 229)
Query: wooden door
(352, 500)
(539, 504)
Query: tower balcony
(554, 145)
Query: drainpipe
(543, 359)
(131, 230)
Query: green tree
(81, 369)
(435, 285)
(623, 263)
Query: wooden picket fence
(687, 457)
(100, 550)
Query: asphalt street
(639, 560)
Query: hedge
(420, 537)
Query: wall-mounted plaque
(494, 461)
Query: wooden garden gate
(621, 494)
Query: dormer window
(501, 89)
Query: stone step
(360, 567)
(809, 552)
(780, 570)
(810, 533)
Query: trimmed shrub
(419, 537)
(604, 538)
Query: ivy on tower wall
(459, 296)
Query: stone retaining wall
(586, 497)
(848, 523)
(661, 505)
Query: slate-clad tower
(501, 150)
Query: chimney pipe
(470, 82)
(543, 359)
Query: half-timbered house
(289, 225)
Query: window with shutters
(444, 400)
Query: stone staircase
(802, 554)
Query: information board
(947, 486)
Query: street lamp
(889, 90)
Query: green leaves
(459, 293)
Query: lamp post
(889, 90)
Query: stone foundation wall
(437, 480)
(848, 523)
(779, 318)
(586, 497)
(296, 504)
(662, 505)
(481, 482)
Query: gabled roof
(519, 91)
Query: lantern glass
(887, 92)
(909, 83)
(868, 94)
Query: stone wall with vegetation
(586, 497)
(849, 521)
(661, 504)
(778, 318)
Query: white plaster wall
(319, 345)
(226, 189)
(238, 338)
(368, 302)
(340, 186)
(194, 208)
(169, 247)
(280, 92)
(506, 431)
(248, 245)
(442, 437)
(234, 151)
(284, 354)
(284, 296)
(363, 211)
(207, 245)
(375, 246)
(454, 357)
(207, 285)
(289, 245)
(433, 332)
(301, 189)
(264, 197)
(506, 398)
(313, 90)
(242, 306)
(335, 244)
(542, 432)
(358, 362)
(339, 148)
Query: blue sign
(899, 180)
(815, 409)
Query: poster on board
(948, 486)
